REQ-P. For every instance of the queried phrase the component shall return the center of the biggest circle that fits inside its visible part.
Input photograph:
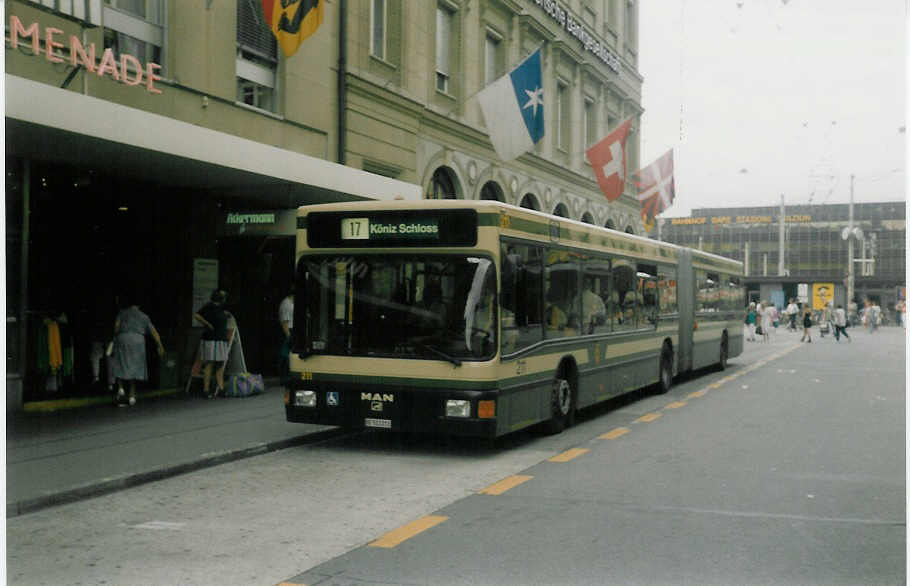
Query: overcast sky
(760, 98)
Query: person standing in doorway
(286, 321)
(128, 357)
(213, 348)
(840, 323)
(807, 326)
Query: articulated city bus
(479, 318)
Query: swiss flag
(608, 158)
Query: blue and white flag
(513, 109)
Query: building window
(378, 29)
(492, 191)
(493, 58)
(590, 123)
(134, 27)
(630, 27)
(562, 116)
(442, 185)
(529, 202)
(444, 18)
(561, 210)
(88, 10)
(257, 57)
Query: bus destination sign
(392, 228)
(363, 229)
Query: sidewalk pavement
(62, 455)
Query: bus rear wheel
(665, 374)
(724, 354)
(561, 406)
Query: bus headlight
(458, 408)
(304, 398)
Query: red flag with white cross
(608, 159)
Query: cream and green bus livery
(479, 318)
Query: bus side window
(625, 297)
(520, 300)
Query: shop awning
(51, 124)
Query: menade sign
(392, 228)
(127, 70)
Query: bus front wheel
(561, 406)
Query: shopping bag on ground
(243, 385)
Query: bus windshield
(438, 307)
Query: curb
(116, 484)
(54, 405)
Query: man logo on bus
(383, 397)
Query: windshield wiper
(439, 353)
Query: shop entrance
(257, 272)
(92, 240)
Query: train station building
(810, 255)
(161, 147)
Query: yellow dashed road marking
(700, 393)
(619, 431)
(569, 455)
(394, 537)
(505, 484)
(675, 405)
(648, 418)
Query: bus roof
(577, 232)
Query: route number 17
(355, 228)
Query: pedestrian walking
(286, 320)
(807, 326)
(792, 312)
(750, 322)
(128, 356)
(765, 321)
(213, 348)
(840, 324)
(875, 319)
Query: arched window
(587, 218)
(530, 202)
(442, 185)
(491, 190)
(610, 225)
(629, 230)
(561, 210)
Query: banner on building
(513, 108)
(656, 188)
(292, 21)
(608, 159)
(822, 294)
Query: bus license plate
(381, 423)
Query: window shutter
(253, 34)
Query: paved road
(789, 468)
